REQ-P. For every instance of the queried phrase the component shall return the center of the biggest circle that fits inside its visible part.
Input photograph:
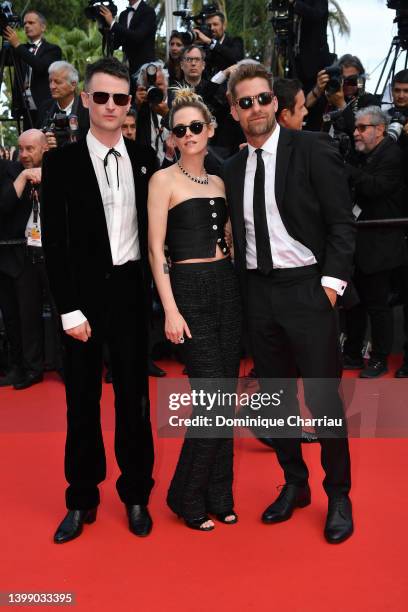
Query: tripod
(7, 58)
(398, 46)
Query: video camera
(64, 127)
(7, 16)
(401, 19)
(398, 120)
(282, 16)
(92, 11)
(197, 22)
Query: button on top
(215, 227)
(212, 202)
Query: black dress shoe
(28, 381)
(154, 370)
(140, 521)
(352, 363)
(13, 376)
(290, 497)
(71, 526)
(339, 523)
(374, 369)
(402, 372)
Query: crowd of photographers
(372, 138)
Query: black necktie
(263, 245)
(116, 154)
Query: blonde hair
(187, 98)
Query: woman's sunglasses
(263, 99)
(101, 97)
(195, 127)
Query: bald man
(20, 218)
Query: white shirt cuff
(72, 319)
(219, 78)
(334, 283)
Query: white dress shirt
(131, 13)
(27, 83)
(119, 206)
(286, 251)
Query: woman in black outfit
(188, 212)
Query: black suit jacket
(40, 62)
(48, 108)
(14, 215)
(381, 194)
(137, 41)
(314, 51)
(74, 232)
(312, 196)
(224, 54)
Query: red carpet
(248, 566)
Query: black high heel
(223, 515)
(197, 523)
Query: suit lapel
(283, 154)
(236, 188)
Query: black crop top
(195, 227)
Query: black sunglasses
(195, 127)
(263, 99)
(101, 97)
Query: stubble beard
(260, 128)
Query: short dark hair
(219, 14)
(106, 65)
(191, 48)
(400, 77)
(131, 113)
(39, 15)
(286, 91)
(351, 61)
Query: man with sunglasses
(293, 244)
(95, 241)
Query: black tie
(263, 245)
(116, 154)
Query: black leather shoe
(154, 370)
(374, 369)
(71, 526)
(339, 523)
(140, 521)
(13, 376)
(28, 381)
(352, 363)
(402, 372)
(290, 497)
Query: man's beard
(261, 127)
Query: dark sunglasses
(101, 97)
(361, 127)
(263, 99)
(195, 127)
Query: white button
(215, 226)
(218, 239)
(214, 215)
(224, 250)
(212, 202)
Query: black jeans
(208, 298)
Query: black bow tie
(31, 46)
(130, 9)
(116, 154)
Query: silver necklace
(195, 179)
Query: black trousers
(121, 322)
(11, 319)
(374, 292)
(208, 298)
(293, 328)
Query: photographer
(135, 32)
(63, 119)
(379, 193)
(34, 57)
(291, 111)
(221, 50)
(129, 125)
(175, 51)
(20, 211)
(152, 107)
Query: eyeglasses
(101, 97)
(263, 99)
(190, 60)
(361, 127)
(195, 127)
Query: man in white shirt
(293, 246)
(95, 240)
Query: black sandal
(197, 523)
(223, 515)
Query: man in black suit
(95, 240)
(379, 193)
(135, 32)
(221, 49)
(293, 244)
(65, 102)
(33, 59)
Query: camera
(154, 94)
(397, 123)
(335, 82)
(401, 19)
(7, 17)
(92, 11)
(64, 127)
(282, 16)
(195, 22)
